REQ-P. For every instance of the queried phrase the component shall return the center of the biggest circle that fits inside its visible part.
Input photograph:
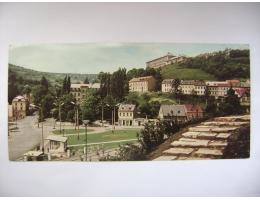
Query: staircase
(219, 138)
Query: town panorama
(174, 106)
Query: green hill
(52, 77)
(175, 71)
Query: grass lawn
(71, 131)
(174, 71)
(105, 137)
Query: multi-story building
(187, 87)
(180, 113)
(142, 84)
(164, 60)
(167, 85)
(20, 107)
(200, 87)
(79, 91)
(126, 114)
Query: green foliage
(151, 136)
(228, 64)
(86, 81)
(182, 72)
(231, 104)
(66, 85)
(52, 77)
(91, 106)
(127, 152)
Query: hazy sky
(96, 57)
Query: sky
(92, 58)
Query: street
(27, 136)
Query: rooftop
(57, 138)
(139, 79)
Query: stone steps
(208, 140)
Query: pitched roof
(89, 85)
(126, 107)
(193, 108)
(19, 98)
(57, 138)
(173, 110)
(167, 81)
(139, 79)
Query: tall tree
(86, 81)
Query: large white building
(142, 84)
(79, 91)
(164, 60)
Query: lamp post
(76, 115)
(114, 116)
(59, 104)
(41, 113)
(85, 122)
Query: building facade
(126, 114)
(20, 107)
(164, 60)
(187, 87)
(79, 91)
(180, 113)
(142, 84)
(167, 85)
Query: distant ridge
(51, 76)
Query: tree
(86, 81)
(90, 106)
(231, 104)
(151, 136)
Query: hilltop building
(142, 84)
(164, 60)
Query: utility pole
(42, 131)
(60, 115)
(102, 113)
(114, 117)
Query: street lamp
(85, 122)
(40, 112)
(114, 119)
(59, 104)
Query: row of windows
(123, 114)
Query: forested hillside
(52, 77)
(228, 64)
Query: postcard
(95, 102)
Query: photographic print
(97, 102)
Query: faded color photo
(128, 102)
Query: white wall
(154, 22)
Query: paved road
(27, 136)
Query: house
(164, 60)
(142, 84)
(174, 112)
(193, 111)
(126, 114)
(243, 95)
(20, 107)
(79, 91)
(56, 144)
(167, 85)
(180, 113)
